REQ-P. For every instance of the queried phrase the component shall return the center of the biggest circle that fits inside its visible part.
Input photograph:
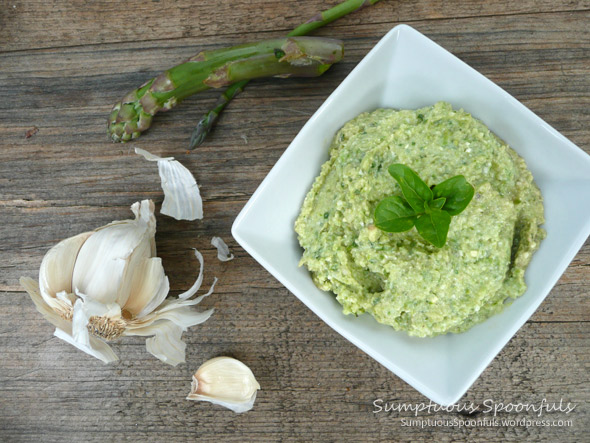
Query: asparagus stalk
(291, 56)
(317, 21)
(329, 15)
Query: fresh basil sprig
(429, 209)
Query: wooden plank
(39, 24)
(313, 381)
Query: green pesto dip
(399, 278)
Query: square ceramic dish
(408, 70)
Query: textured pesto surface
(397, 277)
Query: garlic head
(98, 286)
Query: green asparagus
(292, 56)
(208, 120)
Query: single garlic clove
(227, 382)
(149, 287)
(106, 258)
(57, 268)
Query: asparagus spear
(317, 21)
(292, 56)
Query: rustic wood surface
(62, 66)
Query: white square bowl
(408, 70)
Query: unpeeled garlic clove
(227, 382)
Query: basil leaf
(394, 214)
(437, 203)
(429, 209)
(457, 192)
(414, 189)
(433, 227)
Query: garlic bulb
(98, 286)
(227, 382)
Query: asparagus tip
(203, 128)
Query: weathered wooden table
(63, 65)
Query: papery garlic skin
(182, 198)
(227, 382)
(223, 253)
(101, 285)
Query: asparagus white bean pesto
(474, 204)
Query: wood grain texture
(62, 66)
(79, 23)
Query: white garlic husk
(227, 382)
(182, 198)
(101, 285)
(223, 253)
